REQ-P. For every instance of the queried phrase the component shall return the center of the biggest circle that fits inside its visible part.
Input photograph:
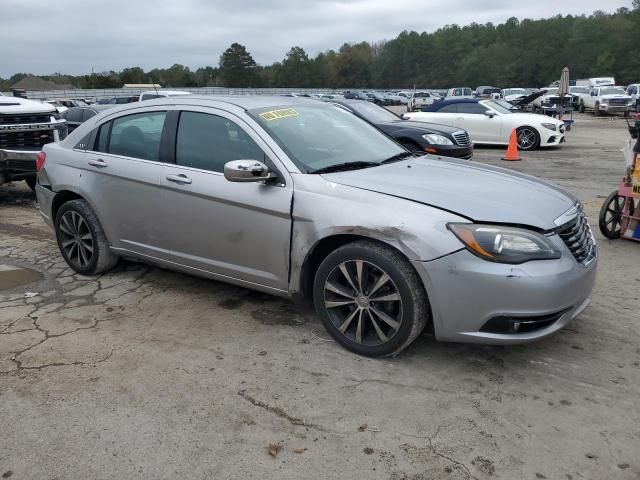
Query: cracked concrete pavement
(146, 373)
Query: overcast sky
(73, 36)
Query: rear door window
(137, 136)
(207, 142)
(102, 139)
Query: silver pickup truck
(25, 126)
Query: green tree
(295, 70)
(133, 75)
(237, 67)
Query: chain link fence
(95, 94)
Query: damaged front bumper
(476, 301)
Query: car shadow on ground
(16, 193)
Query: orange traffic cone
(512, 149)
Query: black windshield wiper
(397, 158)
(342, 167)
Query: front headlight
(436, 139)
(604, 101)
(550, 126)
(504, 244)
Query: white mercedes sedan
(489, 122)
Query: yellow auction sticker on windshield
(276, 114)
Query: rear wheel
(528, 138)
(81, 239)
(370, 299)
(610, 219)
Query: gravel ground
(146, 373)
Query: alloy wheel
(76, 239)
(363, 302)
(526, 139)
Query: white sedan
(491, 123)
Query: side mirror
(246, 171)
(490, 113)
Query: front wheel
(581, 107)
(370, 299)
(596, 109)
(528, 138)
(610, 218)
(82, 240)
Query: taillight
(40, 160)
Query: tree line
(527, 53)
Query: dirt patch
(278, 314)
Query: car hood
(531, 97)
(478, 192)
(22, 105)
(424, 126)
(532, 118)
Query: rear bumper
(45, 201)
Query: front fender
(323, 209)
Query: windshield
(320, 136)
(498, 107)
(504, 104)
(612, 91)
(372, 112)
(514, 91)
(551, 91)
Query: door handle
(98, 163)
(179, 179)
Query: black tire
(409, 310)
(75, 222)
(31, 181)
(581, 107)
(528, 138)
(610, 218)
(596, 109)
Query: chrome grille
(30, 140)
(578, 238)
(618, 101)
(462, 138)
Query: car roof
(450, 101)
(438, 104)
(246, 102)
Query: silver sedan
(301, 199)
